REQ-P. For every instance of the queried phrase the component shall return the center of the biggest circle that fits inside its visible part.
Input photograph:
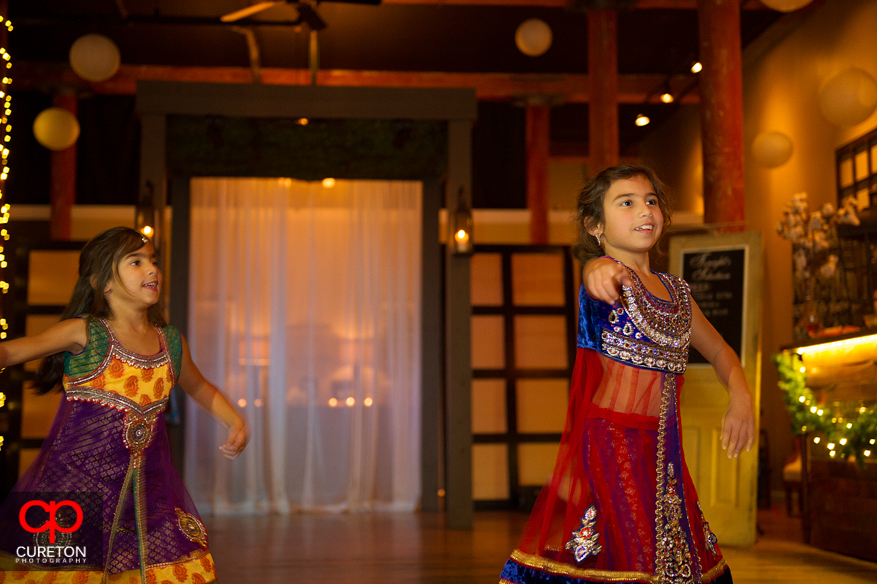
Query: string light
(696, 67)
(642, 120)
(845, 436)
(6, 129)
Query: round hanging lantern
(56, 128)
(94, 57)
(533, 37)
(848, 98)
(771, 149)
(785, 5)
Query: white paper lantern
(94, 57)
(533, 37)
(771, 149)
(56, 128)
(786, 5)
(848, 98)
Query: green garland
(845, 437)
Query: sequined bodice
(641, 330)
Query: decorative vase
(809, 324)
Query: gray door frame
(158, 99)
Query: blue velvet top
(641, 329)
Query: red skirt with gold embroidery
(621, 505)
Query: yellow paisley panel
(143, 386)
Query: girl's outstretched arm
(738, 424)
(603, 278)
(211, 399)
(68, 335)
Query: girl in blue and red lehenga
(621, 506)
(116, 360)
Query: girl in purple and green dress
(116, 360)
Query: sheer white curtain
(305, 310)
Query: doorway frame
(156, 100)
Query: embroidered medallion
(709, 537)
(137, 435)
(191, 527)
(584, 541)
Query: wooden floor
(390, 548)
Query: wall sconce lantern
(145, 217)
(462, 226)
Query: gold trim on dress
(114, 400)
(562, 569)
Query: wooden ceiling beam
(553, 88)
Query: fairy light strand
(844, 437)
(5, 131)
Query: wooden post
(62, 189)
(538, 140)
(603, 73)
(721, 110)
(458, 350)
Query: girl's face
(138, 281)
(632, 218)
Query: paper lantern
(56, 128)
(771, 149)
(533, 37)
(786, 5)
(848, 98)
(94, 57)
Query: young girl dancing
(116, 360)
(621, 506)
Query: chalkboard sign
(716, 280)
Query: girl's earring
(599, 243)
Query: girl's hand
(738, 425)
(603, 279)
(237, 440)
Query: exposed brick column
(538, 142)
(603, 94)
(62, 193)
(721, 110)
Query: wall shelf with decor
(830, 390)
(856, 174)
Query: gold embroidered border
(668, 387)
(714, 571)
(114, 400)
(562, 569)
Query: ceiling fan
(306, 12)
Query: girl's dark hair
(589, 205)
(98, 264)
